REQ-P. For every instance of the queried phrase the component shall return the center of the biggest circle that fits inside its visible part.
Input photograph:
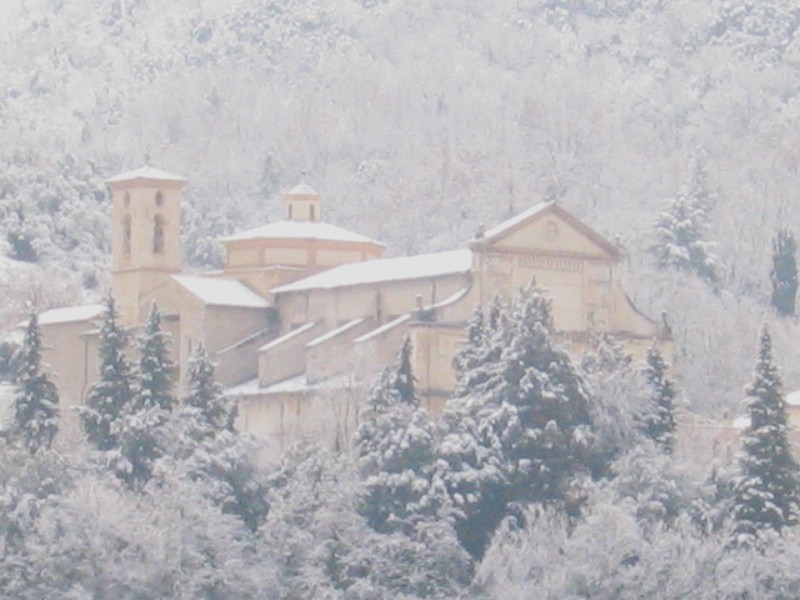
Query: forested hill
(441, 114)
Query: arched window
(158, 235)
(126, 236)
(290, 212)
(312, 213)
(159, 199)
(127, 200)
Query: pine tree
(114, 388)
(523, 433)
(140, 429)
(156, 369)
(784, 273)
(681, 230)
(395, 452)
(477, 349)
(36, 400)
(212, 451)
(659, 423)
(204, 406)
(766, 491)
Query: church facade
(304, 313)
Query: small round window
(551, 230)
(159, 199)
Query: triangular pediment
(548, 228)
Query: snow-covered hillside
(442, 115)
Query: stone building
(304, 312)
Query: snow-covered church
(305, 312)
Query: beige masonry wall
(70, 353)
(325, 416)
(285, 357)
(333, 352)
(382, 302)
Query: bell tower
(146, 226)
(303, 204)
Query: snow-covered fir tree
(784, 272)
(659, 421)
(115, 386)
(140, 428)
(523, 434)
(395, 448)
(211, 449)
(477, 349)
(156, 369)
(35, 422)
(766, 492)
(681, 231)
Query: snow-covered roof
(298, 384)
(302, 189)
(216, 291)
(70, 314)
(385, 269)
(287, 336)
(334, 332)
(146, 172)
(793, 399)
(508, 225)
(304, 230)
(383, 328)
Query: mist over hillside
(439, 115)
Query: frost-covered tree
(618, 391)
(29, 484)
(324, 548)
(395, 450)
(766, 491)
(212, 451)
(784, 272)
(659, 421)
(681, 231)
(140, 428)
(115, 386)
(35, 422)
(523, 434)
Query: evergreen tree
(523, 433)
(156, 369)
(395, 453)
(477, 349)
(36, 399)
(140, 429)
(212, 451)
(766, 491)
(114, 388)
(659, 423)
(784, 272)
(681, 230)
